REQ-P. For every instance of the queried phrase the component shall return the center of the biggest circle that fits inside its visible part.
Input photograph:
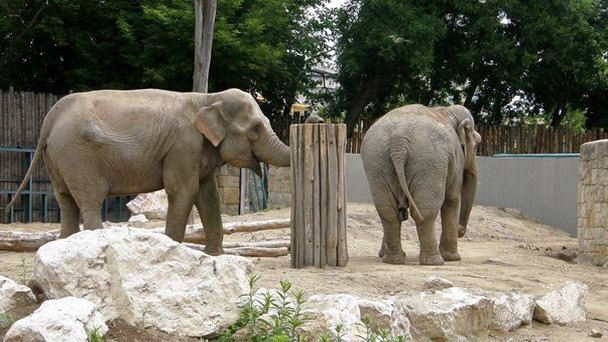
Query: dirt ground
(503, 250)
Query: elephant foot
(213, 251)
(431, 259)
(381, 252)
(450, 256)
(394, 259)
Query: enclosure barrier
(318, 201)
(593, 203)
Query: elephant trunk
(469, 187)
(273, 151)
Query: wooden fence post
(318, 199)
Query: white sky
(336, 3)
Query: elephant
(114, 143)
(422, 160)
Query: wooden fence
(20, 120)
(532, 139)
(21, 116)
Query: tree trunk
(204, 12)
(558, 115)
(352, 115)
(318, 207)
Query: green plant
(24, 271)
(6, 320)
(269, 319)
(95, 336)
(375, 335)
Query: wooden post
(318, 198)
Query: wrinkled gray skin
(422, 159)
(106, 143)
(314, 119)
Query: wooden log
(262, 252)
(196, 234)
(25, 242)
(318, 230)
(28, 242)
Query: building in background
(325, 80)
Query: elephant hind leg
(429, 253)
(70, 214)
(448, 244)
(90, 199)
(391, 250)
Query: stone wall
(279, 187)
(228, 181)
(593, 203)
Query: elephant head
(469, 139)
(235, 124)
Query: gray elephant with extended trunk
(422, 159)
(106, 143)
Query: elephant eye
(254, 132)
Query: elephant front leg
(208, 205)
(448, 246)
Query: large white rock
(326, 312)
(511, 310)
(448, 314)
(146, 279)
(565, 305)
(152, 205)
(385, 315)
(67, 319)
(13, 295)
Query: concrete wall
(542, 187)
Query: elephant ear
(211, 121)
(469, 139)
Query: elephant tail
(28, 175)
(399, 165)
(44, 132)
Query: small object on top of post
(318, 201)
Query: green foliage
(279, 319)
(24, 267)
(547, 55)
(95, 336)
(6, 320)
(269, 319)
(264, 47)
(374, 335)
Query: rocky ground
(503, 251)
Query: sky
(336, 3)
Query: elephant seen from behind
(422, 160)
(113, 143)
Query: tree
(500, 58)
(204, 11)
(264, 47)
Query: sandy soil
(503, 250)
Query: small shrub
(24, 271)
(95, 336)
(268, 319)
(278, 320)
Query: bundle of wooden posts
(194, 238)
